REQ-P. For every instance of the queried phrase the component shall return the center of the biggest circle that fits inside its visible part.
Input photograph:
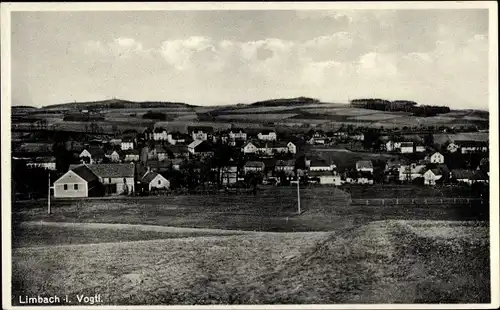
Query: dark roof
(237, 130)
(112, 170)
(463, 174)
(289, 162)
(471, 143)
(159, 129)
(131, 152)
(177, 148)
(259, 164)
(318, 162)
(85, 173)
(266, 132)
(280, 144)
(148, 177)
(319, 173)
(204, 147)
(200, 128)
(406, 144)
(94, 151)
(159, 164)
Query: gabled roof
(159, 130)
(471, 143)
(280, 144)
(266, 132)
(111, 170)
(237, 130)
(94, 151)
(288, 163)
(318, 162)
(320, 173)
(195, 143)
(177, 148)
(463, 174)
(149, 176)
(85, 173)
(406, 144)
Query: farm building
(254, 166)
(318, 164)
(77, 183)
(359, 177)
(249, 148)
(116, 178)
(201, 148)
(285, 165)
(158, 166)
(432, 175)
(177, 151)
(267, 135)
(357, 136)
(394, 164)
(229, 173)
(325, 177)
(157, 153)
(419, 148)
(154, 180)
(364, 165)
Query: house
(292, 148)
(394, 164)
(432, 175)
(177, 151)
(116, 178)
(127, 144)
(318, 164)
(364, 165)
(249, 148)
(393, 145)
(113, 156)
(467, 147)
(45, 162)
(419, 148)
(237, 134)
(200, 132)
(229, 173)
(406, 147)
(436, 158)
(285, 165)
(469, 176)
(78, 182)
(157, 153)
(176, 138)
(201, 148)
(325, 177)
(279, 147)
(177, 163)
(147, 134)
(115, 142)
(253, 166)
(359, 177)
(159, 134)
(411, 172)
(452, 147)
(267, 135)
(158, 166)
(91, 155)
(131, 155)
(484, 166)
(357, 136)
(155, 181)
(318, 137)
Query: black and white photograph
(250, 155)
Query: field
(408, 191)
(256, 117)
(379, 262)
(344, 158)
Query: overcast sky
(222, 57)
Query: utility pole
(298, 192)
(48, 197)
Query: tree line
(399, 106)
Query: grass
(256, 117)
(390, 191)
(380, 262)
(272, 209)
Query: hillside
(285, 101)
(116, 104)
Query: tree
(429, 140)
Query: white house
(193, 145)
(267, 135)
(175, 138)
(292, 148)
(45, 162)
(364, 165)
(326, 177)
(200, 132)
(237, 134)
(249, 148)
(155, 180)
(91, 155)
(406, 147)
(113, 156)
(159, 134)
(253, 166)
(317, 164)
(436, 158)
(431, 176)
(357, 136)
(78, 182)
(127, 144)
(131, 155)
(467, 147)
(419, 148)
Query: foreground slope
(380, 262)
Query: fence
(414, 201)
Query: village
(155, 161)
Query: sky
(437, 57)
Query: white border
(7, 8)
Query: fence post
(455, 200)
(397, 201)
(441, 200)
(366, 201)
(425, 201)
(383, 202)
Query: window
(109, 180)
(75, 187)
(159, 182)
(65, 187)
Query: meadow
(379, 262)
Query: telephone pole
(48, 198)
(298, 192)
